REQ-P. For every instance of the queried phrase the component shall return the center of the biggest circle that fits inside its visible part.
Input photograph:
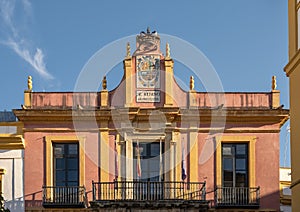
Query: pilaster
(192, 99)
(104, 152)
(275, 94)
(129, 158)
(168, 158)
(27, 98)
(118, 157)
(104, 98)
(193, 153)
(27, 93)
(128, 81)
(175, 158)
(169, 73)
(275, 98)
(178, 157)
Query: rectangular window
(235, 165)
(64, 160)
(150, 161)
(235, 172)
(66, 164)
(149, 157)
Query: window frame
(66, 156)
(147, 157)
(234, 156)
(49, 156)
(225, 139)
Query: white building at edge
(285, 190)
(11, 162)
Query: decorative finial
(192, 83)
(274, 84)
(148, 30)
(104, 83)
(29, 83)
(128, 50)
(167, 50)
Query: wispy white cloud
(27, 7)
(6, 12)
(36, 60)
(16, 42)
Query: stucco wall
(266, 165)
(34, 174)
(295, 135)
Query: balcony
(64, 197)
(138, 194)
(240, 197)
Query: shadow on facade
(34, 199)
(270, 202)
(15, 205)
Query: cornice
(177, 129)
(40, 115)
(11, 142)
(293, 64)
(15, 123)
(142, 114)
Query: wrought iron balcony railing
(64, 196)
(237, 197)
(148, 191)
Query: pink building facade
(148, 140)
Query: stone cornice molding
(172, 115)
(293, 64)
(11, 141)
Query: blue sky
(246, 41)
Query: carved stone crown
(147, 43)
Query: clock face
(148, 71)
